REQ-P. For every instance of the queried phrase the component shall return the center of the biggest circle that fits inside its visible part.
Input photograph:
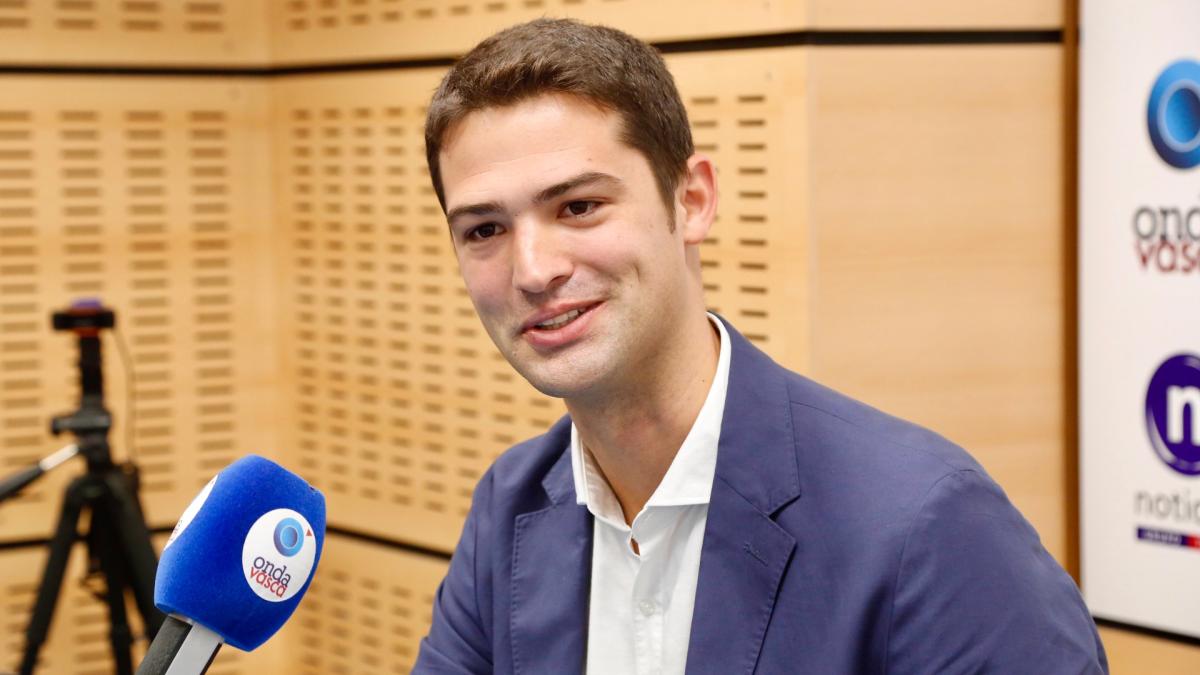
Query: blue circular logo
(1173, 413)
(289, 537)
(1173, 114)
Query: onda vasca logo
(1168, 236)
(278, 554)
(1173, 114)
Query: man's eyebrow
(587, 178)
(480, 209)
(548, 194)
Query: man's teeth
(560, 320)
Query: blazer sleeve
(976, 592)
(459, 640)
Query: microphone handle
(180, 648)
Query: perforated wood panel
(747, 110)
(366, 611)
(135, 32)
(149, 194)
(402, 401)
(324, 30)
(78, 643)
(936, 14)
(941, 252)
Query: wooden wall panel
(748, 111)
(151, 194)
(1133, 653)
(134, 32)
(78, 643)
(306, 31)
(941, 253)
(936, 14)
(401, 400)
(261, 32)
(366, 611)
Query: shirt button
(648, 607)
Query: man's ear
(696, 199)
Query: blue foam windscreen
(244, 552)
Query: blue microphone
(236, 565)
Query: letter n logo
(1173, 413)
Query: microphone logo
(279, 554)
(289, 537)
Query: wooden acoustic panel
(78, 643)
(400, 399)
(942, 253)
(748, 111)
(366, 611)
(314, 31)
(1130, 652)
(936, 14)
(152, 195)
(134, 32)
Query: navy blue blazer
(839, 540)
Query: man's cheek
(487, 294)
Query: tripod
(118, 541)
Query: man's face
(565, 244)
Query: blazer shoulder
(856, 431)
(860, 466)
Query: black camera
(85, 316)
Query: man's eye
(579, 208)
(485, 231)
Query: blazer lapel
(551, 577)
(741, 564)
(745, 553)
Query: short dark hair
(602, 65)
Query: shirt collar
(689, 478)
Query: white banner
(1139, 312)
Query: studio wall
(895, 183)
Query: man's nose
(540, 262)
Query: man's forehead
(529, 124)
(530, 146)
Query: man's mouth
(560, 320)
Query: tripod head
(91, 422)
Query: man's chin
(567, 382)
(556, 387)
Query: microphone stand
(118, 540)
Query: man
(700, 509)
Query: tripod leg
(56, 564)
(101, 539)
(138, 552)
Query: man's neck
(634, 435)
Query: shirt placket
(648, 614)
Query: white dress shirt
(640, 616)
